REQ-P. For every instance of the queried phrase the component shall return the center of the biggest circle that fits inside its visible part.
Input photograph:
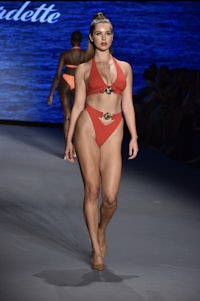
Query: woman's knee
(92, 192)
(110, 200)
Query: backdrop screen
(34, 33)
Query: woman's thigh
(87, 150)
(95, 161)
(111, 163)
(64, 95)
(63, 88)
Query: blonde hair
(97, 18)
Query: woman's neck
(102, 56)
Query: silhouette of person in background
(69, 60)
(168, 112)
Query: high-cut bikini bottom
(69, 80)
(103, 131)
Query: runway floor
(153, 239)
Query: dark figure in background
(69, 59)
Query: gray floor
(153, 239)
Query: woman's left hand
(133, 149)
(69, 152)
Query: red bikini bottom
(103, 131)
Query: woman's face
(102, 36)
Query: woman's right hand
(49, 100)
(69, 152)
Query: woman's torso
(72, 58)
(105, 83)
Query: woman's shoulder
(125, 66)
(122, 62)
(83, 70)
(84, 66)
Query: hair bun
(99, 15)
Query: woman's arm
(56, 79)
(78, 106)
(129, 112)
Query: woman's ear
(90, 37)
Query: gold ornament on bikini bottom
(108, 90)
(107, 116)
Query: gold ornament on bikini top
(108, 90)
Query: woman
(69, 60)
(103, 92)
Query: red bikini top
(96, 84)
